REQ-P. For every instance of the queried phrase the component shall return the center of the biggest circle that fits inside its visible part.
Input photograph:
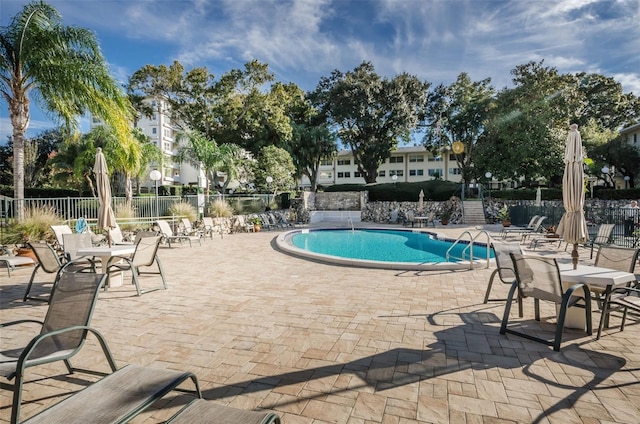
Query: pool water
(383, 245)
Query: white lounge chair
(168, 236)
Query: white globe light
(269, 180)
(155, 175)
(488, 175)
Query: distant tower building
(160, 130)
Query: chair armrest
(113, 259)
(20, 321)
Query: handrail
(469, 247)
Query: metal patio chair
(145, 255)
(539, 278)
(62, 333)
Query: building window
(154, 131)
(154, 104)
(326, 162)
(416, 172)
(154, 117)
(382, 173)
(398, 172)
(326, 175)
(396, 159)
(434, 172)
(344, 161)
(416, 158)
(357, 174)
(455, 171)
(166, 146)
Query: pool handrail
(469, 247)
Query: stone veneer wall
(380, 211)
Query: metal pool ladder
(469, 247)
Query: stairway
(474, 213)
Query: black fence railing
(625, 233)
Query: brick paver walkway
(328, 344)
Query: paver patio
(326, 344)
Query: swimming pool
(380, 248)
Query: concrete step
(474, 213)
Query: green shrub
(126, 213)
(184, 209)
(35, 227)
(436, 190)
(220, 209)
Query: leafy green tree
(459, 113)
(312, 140)
(525, 135)
(276, 163)
(232, 109)
(371, 114)
(201, 152)
(66, 69)
(37, 151)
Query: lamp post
(155, 175)
(269, 180)
(626, 181)
(394, 177)
(605, 171)
(488, 176)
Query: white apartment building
(406, 164)
(163, 133)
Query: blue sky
(303, 40)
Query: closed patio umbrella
(573, 226)
(421, 201)
(106, 217)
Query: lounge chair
(529, 226)
(602, 238)
(210, 227)
(539, 278)
(115, 234)
(189, 230)
(59, 230)
(168, 236)
(145, 255)
(526, 231)
(243, 224)
(201, 410)
(62, 333)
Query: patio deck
(327, 344)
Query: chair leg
(507, 308)
(164, 280)
(624, 318)
(486, 295)
(17, 398)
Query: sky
(304, 40)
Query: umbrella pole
(574, 255)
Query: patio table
(105, 253)
(593, 277)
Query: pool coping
(284, 244)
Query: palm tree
(63, 66)
(202, 152)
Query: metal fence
(147, 207)
(625, 233)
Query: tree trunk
(19, 111)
